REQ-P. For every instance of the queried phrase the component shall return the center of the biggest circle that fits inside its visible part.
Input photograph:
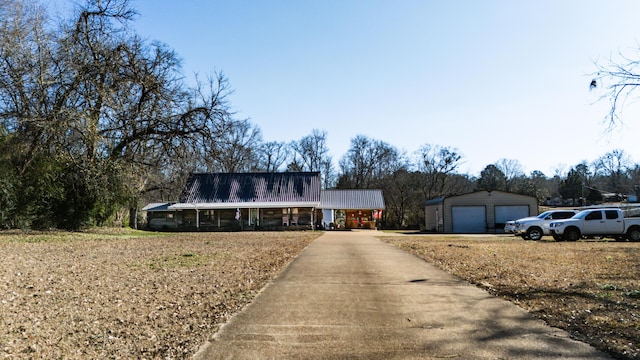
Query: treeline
(409, 180)
(95, 122)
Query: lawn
(126, 294)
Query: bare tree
(513, 172)
(366, 162)
(312, 154)
(400, 194)
(107, 109)
(236, 147)
(272, 156)
(312, 149)
(27, 69)
(614, 167)
(619, 81)
(436, 163)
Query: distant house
(160, 217)
(268, 201)
(477, 212)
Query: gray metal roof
(243, 205)
(157, 207)
(249, 189)
(267, 190)
(435, 201)
(351, 199)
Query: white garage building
(477, 212)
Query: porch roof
(352, 199)
(242, 205)
(157, 207)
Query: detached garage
(478, 212)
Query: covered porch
(203, 217)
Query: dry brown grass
(589, 288)
(126, 294)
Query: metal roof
(250, 189)
(351, 199)
(435, 201)
(157, 207)
(241, 205)
(266, 190)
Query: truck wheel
(572, 235)
(633, 234)
(557, 237)
(534, 233)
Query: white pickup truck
(597, 222)
(533, 228)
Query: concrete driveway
(349, 295)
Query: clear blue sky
(492, 79)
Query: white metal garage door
(506, 213)
(468, 219)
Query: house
(477, 212)
(266, 201)
(351, 209)
(159, 217)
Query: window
(206, 216)
(563, 215)
(595, 215)
(611, 214)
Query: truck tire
(557, 237)
(572, 234)
(534, 233)
(633, 234)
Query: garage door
(506, 213)
(468, 219)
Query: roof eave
(242, 205)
